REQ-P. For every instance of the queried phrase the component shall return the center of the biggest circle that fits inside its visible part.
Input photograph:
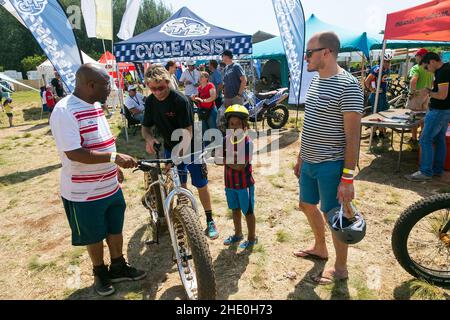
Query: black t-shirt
(58, 87)
(441, 76)
(175, 112)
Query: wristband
(348, 171)
(113, 157)
(346, 180)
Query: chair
(132, 122)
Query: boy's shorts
(9, 115)
(199, 172)
(93, 221)
(319, 182)
(243, 199)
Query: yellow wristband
(348, 171)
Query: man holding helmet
(329, 148)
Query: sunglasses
(310, 52)
(161, 88)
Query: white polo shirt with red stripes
(77, 124)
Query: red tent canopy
(109, 59)
(428, 21)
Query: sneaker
(122, 271)
(248, 244)
(212, 230)
(102, 282)
(232, 240)
(417, 177)
(439, 175)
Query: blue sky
(249, 16)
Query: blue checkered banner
(48, 23)
(184, 35)
(291, 22)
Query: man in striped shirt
(90, 178)
(329, 148)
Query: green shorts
(93, 221)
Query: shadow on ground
(22, 176)
(229, 267)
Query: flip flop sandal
(309, 255)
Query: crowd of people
(91, 172)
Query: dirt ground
(38, 261)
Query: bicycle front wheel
(421, 239)
(195, 264)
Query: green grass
(36, 266)
(27, 135)
(423, 290)
(390, 219)
(76, 255)
(12, 203)
(134, 296)
(282, 236)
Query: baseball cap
(132, 87)
(190, 63)
(421, 52)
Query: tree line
(20, 51)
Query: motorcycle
(268, 106)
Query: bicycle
(191, 251)
(421, 239)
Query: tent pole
(377, 93)
(406, 65)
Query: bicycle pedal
(150, 242)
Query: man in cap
(135, 103)
(190, 78)
(234, 80)
(420, 79)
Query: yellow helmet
(237, 110)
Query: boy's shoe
(102, 283)
(232, 240)
(212, 230)
(417, 177)
(122, 271)
(248, 244)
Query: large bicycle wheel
(421, 239)
(195, 266)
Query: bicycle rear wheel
(421, 239)
(195, 266)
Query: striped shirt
(323, 136)
(238, 153)
(77, 124)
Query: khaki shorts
(230, 101)
(418, 102)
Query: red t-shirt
(203, 93)
(50, 100)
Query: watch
(113, 157)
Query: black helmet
(349, 231)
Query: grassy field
(38, 261)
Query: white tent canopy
(47, 71)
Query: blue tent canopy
(183, 35)
(350, 41)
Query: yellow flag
(104, 19)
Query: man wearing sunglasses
(169, 111)
(329, 148)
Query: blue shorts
(320, 182)
(383, 104)
(243, 199)
(198, 171)
(93, 221)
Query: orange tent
(428, 21)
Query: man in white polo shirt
(90, 176)
(135, 103)
(190, 78)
